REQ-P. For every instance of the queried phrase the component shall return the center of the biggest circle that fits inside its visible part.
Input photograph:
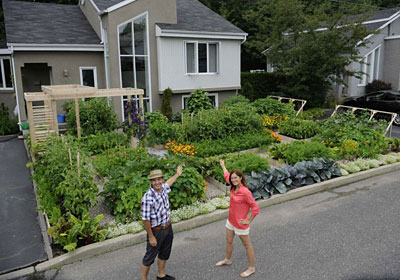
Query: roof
(46, 23)
(194, 16)
(191, 16)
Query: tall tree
(314, 44)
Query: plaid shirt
(155, 206)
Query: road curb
(18, 273)
(132, 239)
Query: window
(213, 100)
(202, 57)
(134, 57)
(88, 76)
(370, 66)
(5, 77)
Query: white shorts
(237, 231)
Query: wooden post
(55, 120)
(31, 126)
(78, 120)
(78, 163)
(141, 106)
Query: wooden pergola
(43, 118)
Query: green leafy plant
(273, 107)
(312, 114)
(280, 180)
(300, 151)
(245, 162)
(198, 100)
(96, 116)
(298, 128)
(7, 126)
(97, 143)
(236, 99)
(155, 116)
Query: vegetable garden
(73, 174)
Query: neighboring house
(148, 44)
(381, 55)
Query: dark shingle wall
(46, 23)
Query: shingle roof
(46, 23)
(194, 16)
(386, 13)
(104, 4)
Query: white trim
(196, 54)
(16, 88)
(199, 34)
(119, 5)
(3, 74)
(106, 57)
(367, 77)
(56, 47)
(95, 6)
(392, 37)
(5, 51)
(81, 68)
(209, 94)
(149, 97)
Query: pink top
(240, 205)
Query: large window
(212, 96)
(88, 76)
(134, 57)
(5, 77)
(202, 57)
(369, 65)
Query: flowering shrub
(135, 125)
(121, 229)
(274, 135)
(365, 164)
(180, 149)
(272, 122)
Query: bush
(161, 132)
(236, 99)
(198, 100)
(7, 126)
(260, 85)
(273, 107)
(298, 128)
(245, 162)
(297, 151)
(353, 136)
(97, 143)
(96, 116)
(166, 108)
(155, 116)
(377, 85)
(312, 114)
(124, 191)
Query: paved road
(348, 233)
(21, 242)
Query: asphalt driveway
(21, 242)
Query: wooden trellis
(302, 101)
(43, 118)
(372, 114)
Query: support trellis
(43, 118)
(372, 114)
(292, 100)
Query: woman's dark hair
(240, 174)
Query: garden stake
(77, 160)
(70, 157)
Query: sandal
(248, 272)
(224, 262)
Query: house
(147, 44)
(380, 58)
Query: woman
(238, 221)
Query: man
(157, 223)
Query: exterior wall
(90, 12)
(59, 62)
(353, 88)
(176, 101)
(159, 11)
(171, 55)
(8, 98)
(391, 71)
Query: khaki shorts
(236, 230)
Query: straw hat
(155, 174)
